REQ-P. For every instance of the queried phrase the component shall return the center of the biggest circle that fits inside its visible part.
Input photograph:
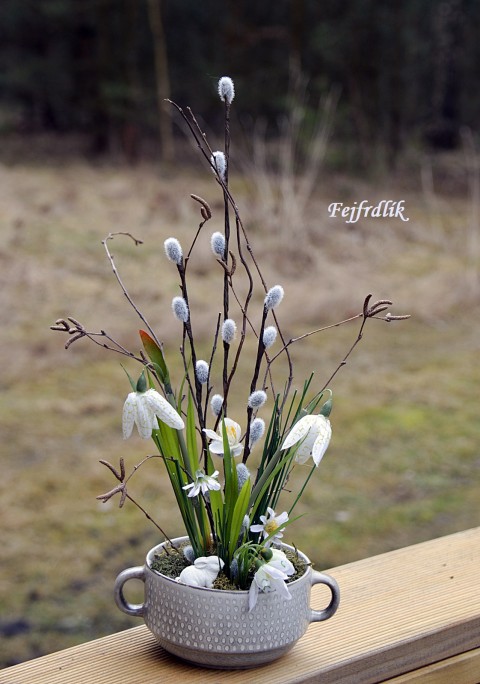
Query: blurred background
(335, 102)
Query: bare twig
(122, 490)
(110, 236)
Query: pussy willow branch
(244, 309)
(241, 228)
(252, 328)
(187, 326)
(226, 302)
(206, 215)
(110, 236)
(202, 143)
(253, 384)
(212, 356)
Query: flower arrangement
(231, 511)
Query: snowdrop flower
(269, 336)
(202, 573)
(257, 399)
(216, 403)
(315, 431)
(271, 523)
(234, 432)
(226, 91)
(271, 576)
(219, 163)
(203, 483)
(229, 330)
(217, 243)
(257, 428)
(274, 297)
(201, 371)
(180, 309)
(173, 250)
(143, 408)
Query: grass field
(404, 462)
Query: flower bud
(173, 250)
(257, 428)
(141, 383)
(202, 371)
(327, 408)
(216, 404)
(217, 242)
(269, 336)
(219, 163)
(226, 90)
(180, 309)
(274, 297)
(189, 554)
(267, 554)
(257, 399)
(243, 474)
(234, 569)
(229, 329)
(245, 524)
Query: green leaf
(155, 354)
(239, 512)
(231, 482)
(132, 381)
(192, 436)
(262, 485)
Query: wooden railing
(411, 615)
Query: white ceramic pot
(213, 628)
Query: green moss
(173, 563)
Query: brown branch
(110, 236)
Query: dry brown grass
(404, 461)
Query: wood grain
(399, 612)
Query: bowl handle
(135, 609)
(321, 578)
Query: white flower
(271, 523)
(226, 90)
(143, 408)
(315, 431)
(234, 432)
(271, 576)
(203, 483)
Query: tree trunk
(162, 79)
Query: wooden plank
(400, 611)
(461, 669)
